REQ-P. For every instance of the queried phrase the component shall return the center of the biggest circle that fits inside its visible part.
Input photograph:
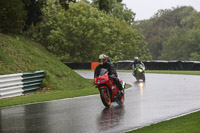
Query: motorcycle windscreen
(140, 66)
(103, 71)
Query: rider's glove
(112, 76)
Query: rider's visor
(101, 61)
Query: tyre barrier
(149, 65)
(19, 84)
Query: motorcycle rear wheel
(105, 97)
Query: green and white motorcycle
(140, 72)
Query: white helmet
(136, 58)
(102, 59)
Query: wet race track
(161, 97)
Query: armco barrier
(124, 65)
(18, 84)
(32, 81)
(172, 65)
(11, 85)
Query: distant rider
(134, 64)
(105, 62)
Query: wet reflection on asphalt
(111, 117)
(161, 97)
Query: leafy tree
(81, 33)
(65, 3)
(115, 7)
(194, 56)
(172, 34)
(104, 5)
(34, 12)
(176, 46)
(194, 43)
(12, 16)
(123, 13)
(183, 43)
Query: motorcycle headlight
(103, 80)
(140, 70)
(98, 81)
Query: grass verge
(159, 71)
(185, 124)
(167, 72)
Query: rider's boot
(122, 92)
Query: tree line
(173, 34)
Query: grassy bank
(19, 54)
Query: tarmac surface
(161, 97)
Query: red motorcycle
(109, 91)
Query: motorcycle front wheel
(120, 99)
(137, 77)
(143, 75)
(105, 97)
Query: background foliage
(115, 7)
(34, 12)
(82, 32)
(12, 16)
(173, 34)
